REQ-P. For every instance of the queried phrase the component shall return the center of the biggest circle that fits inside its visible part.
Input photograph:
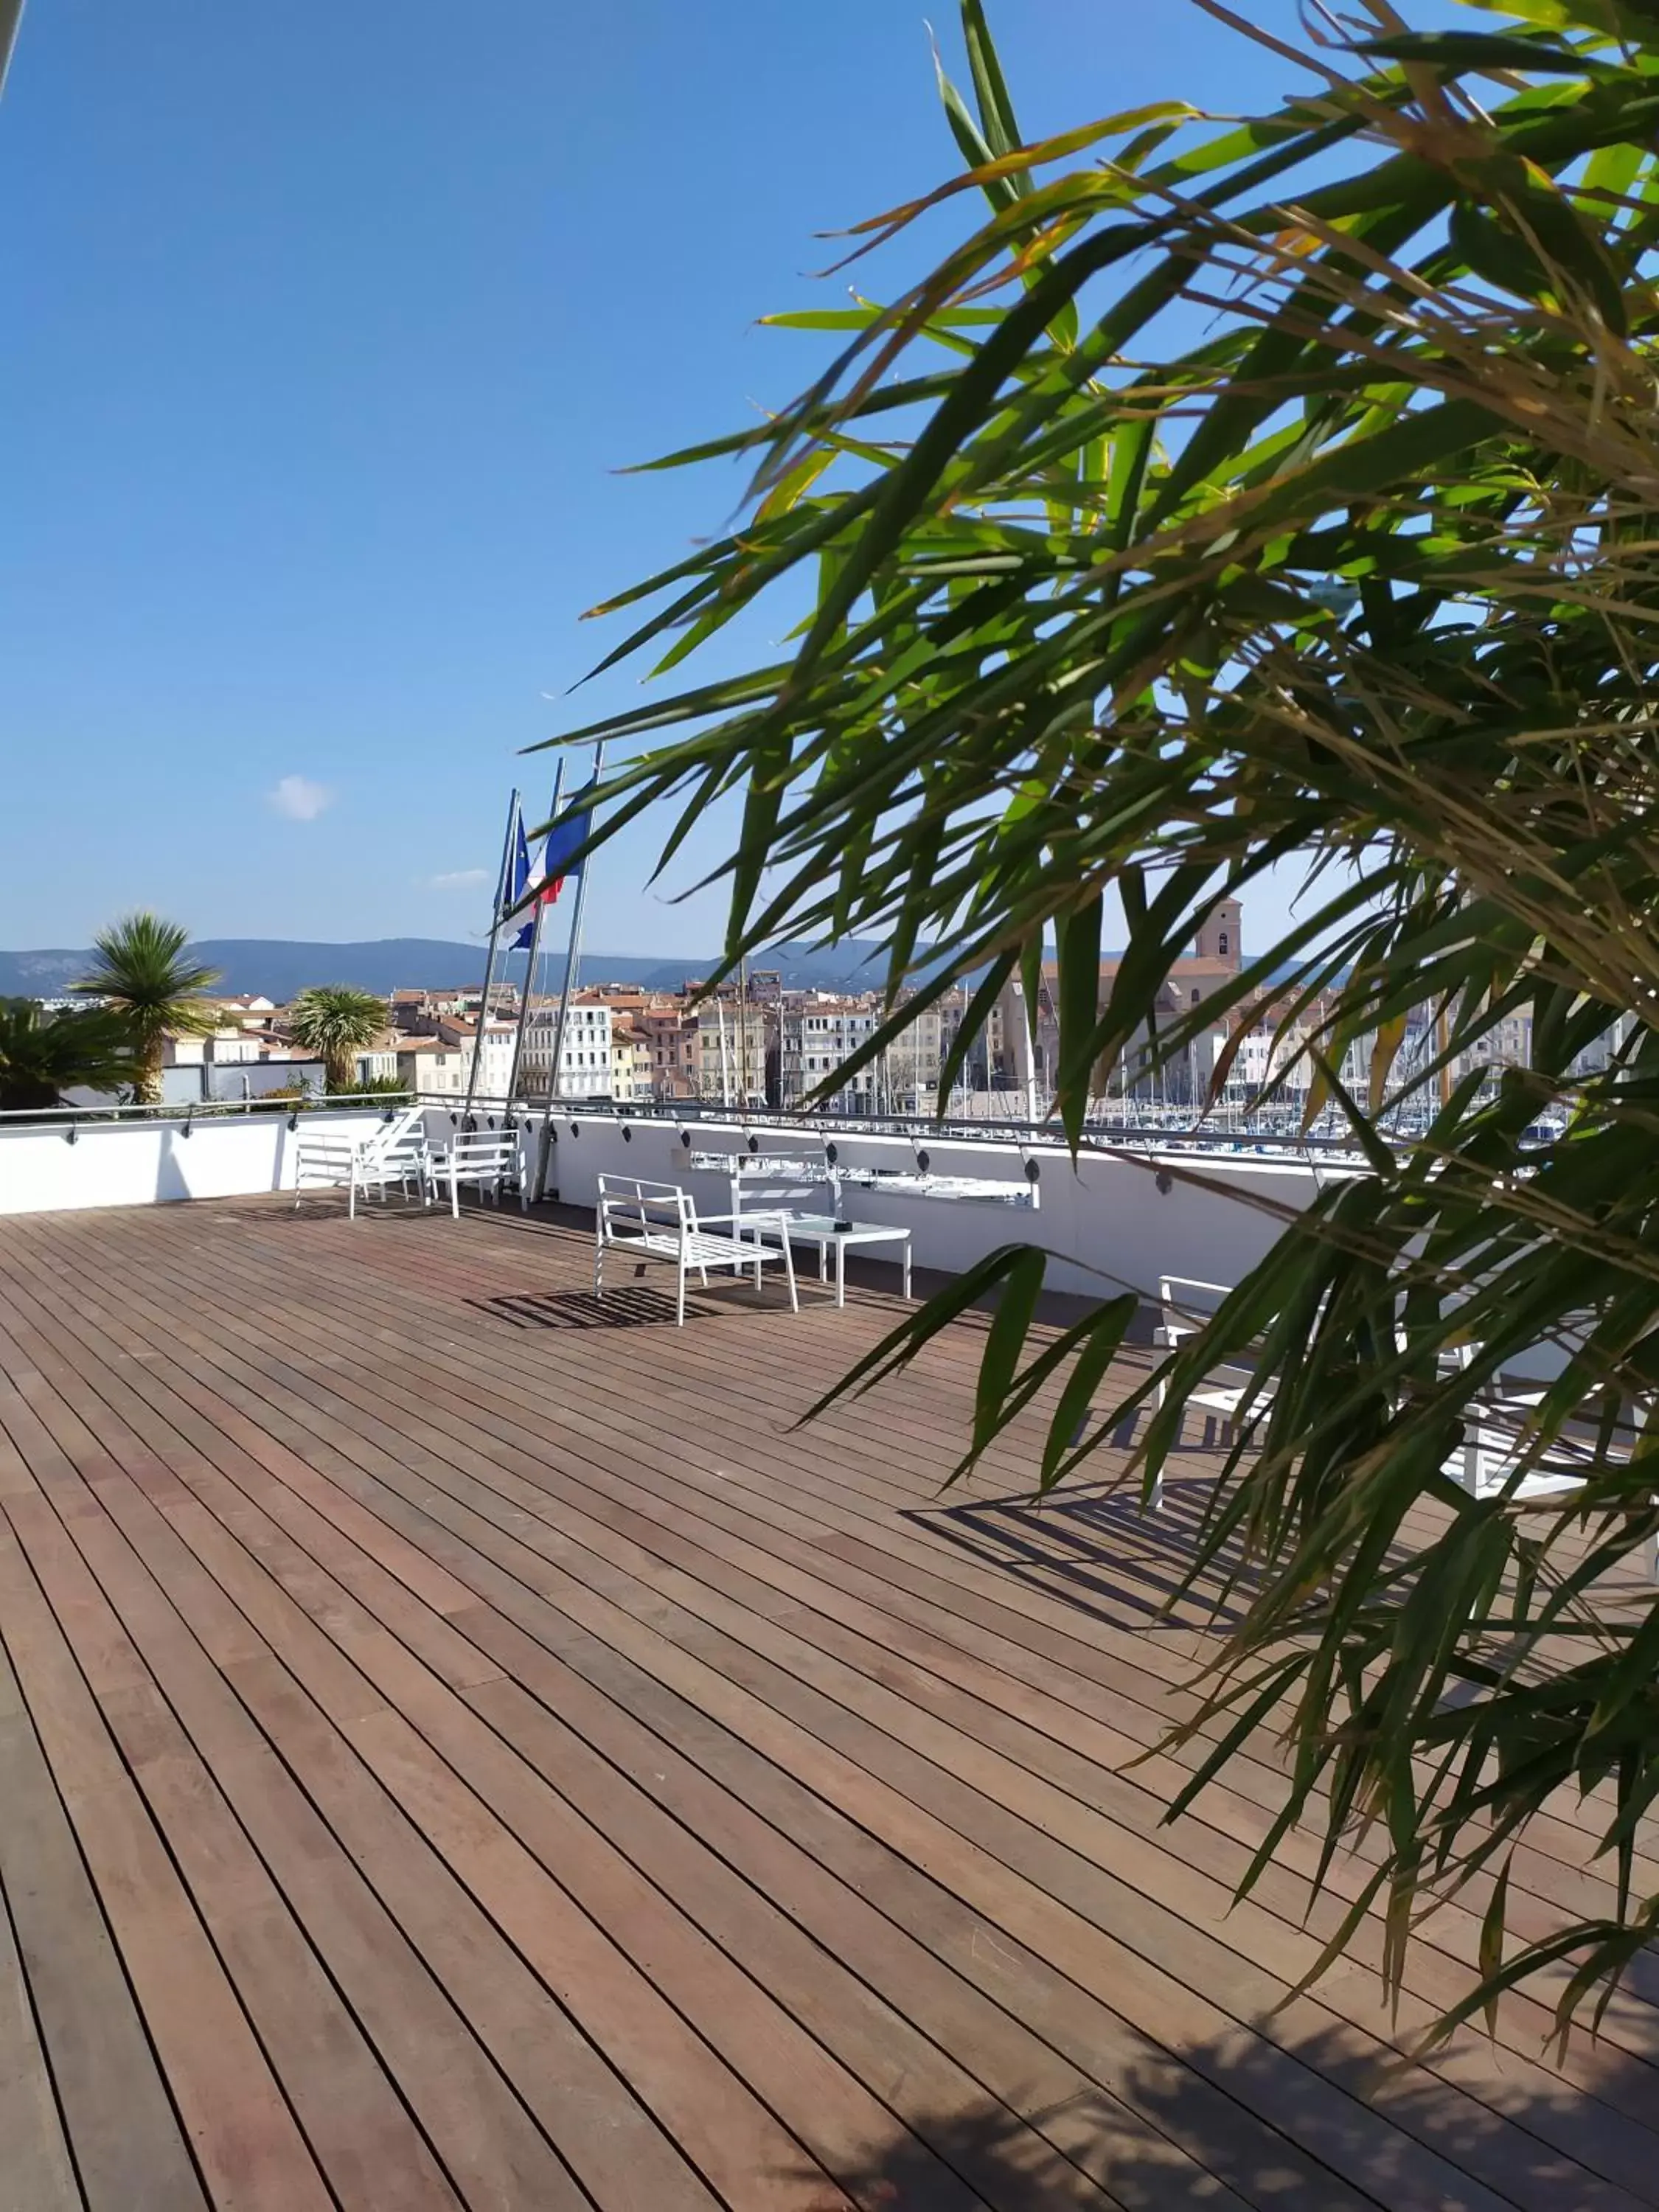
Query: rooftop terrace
(458, 1745)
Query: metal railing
(209, 1109)
(1116, 1135)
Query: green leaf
(1080, 999)
(1455, 51)
(996, 109)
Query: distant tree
(142, 975)
(336, 1022)
(43, 1055)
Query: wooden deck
(458, 1746)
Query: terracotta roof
(1190, 968)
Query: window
(1222, 942)
(1194, 994)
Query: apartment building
(493, 1045)
(816, 1032)
(585, 1064)
(418, 1013)
(907, 1075)
(733, 1040)
(671, 1039)
(442, 1063)
(630, 1063)
(428, 1065)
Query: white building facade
(585, 1064)
(814, 1038)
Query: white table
(824, 1230)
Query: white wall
(1108, 1224)
(1106, 1220)
(150, 1163)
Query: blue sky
(327, 328)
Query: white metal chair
(1179, 1319)
(659, 1221)
(486, 1158)
(323, 1162)
(395, 1153)
(1485, 1464)
(1492, 1443)
(402, 1158)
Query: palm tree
(337, 1021)
(143, 976)
(42, 1056)
(1286, 495)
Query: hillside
(279, 967)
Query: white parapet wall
(154, 1161)
(1111, 1222)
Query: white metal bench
(485, 1157)
(659, 1221)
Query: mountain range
(278, 967)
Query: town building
(733, 1038)
(493, 1045)
(816, 1032)
(630, 1063)
(585, 1064)
(429, 1065)
(1024, 1046)
(671, 1039)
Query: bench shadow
(1102, 1551)
(631, 1306)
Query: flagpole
(537, 913)
(504, 877)
(572, 960)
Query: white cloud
(460, 879)
(299, 799)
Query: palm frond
(1367, 577)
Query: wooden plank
(652, 1574)
(36, 2174)
(484, 2135)
(562, 1849)
(388, 1828)
(1026, 2075)
(1627, 2157)
(1066, 1932)
(1270, 1785)
(1595, 1903)
(364, 2138)
(726, 2128)
(127, 2145)
(240, 2128)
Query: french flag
(559, 861)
